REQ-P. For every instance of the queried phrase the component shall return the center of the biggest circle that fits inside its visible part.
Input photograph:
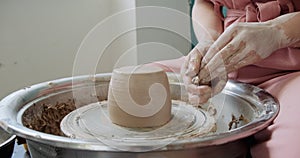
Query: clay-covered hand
(197, 93)
(239, 45)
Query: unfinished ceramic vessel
(139, 96)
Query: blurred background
(39, 39)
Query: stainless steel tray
(7, 142)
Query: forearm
(290, 24)
(207, 24)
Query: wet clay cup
(139, 96)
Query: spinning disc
(92, 123)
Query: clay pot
(139, 96)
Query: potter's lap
(281, 139)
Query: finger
(221, 63)
(184, 67)
(212, 70)
(218, 84)
(197, 100)
(219, 44)
(194, 62)
(199, 90)
(236, 56)
(187, 80)
(199, 94)
(186, 62)
(248, 59)
(213, 60)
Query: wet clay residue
(236, 121)
(47, 117)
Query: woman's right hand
(207, 26)
(197, 93)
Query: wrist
(287, 27)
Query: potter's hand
(240, 44)
(197, 93)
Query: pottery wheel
(92, 123)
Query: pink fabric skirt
(282, 138)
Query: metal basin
(7, 142)
(240, 111)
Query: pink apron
(278, 74)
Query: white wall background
(39, 38)
(169, 32)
